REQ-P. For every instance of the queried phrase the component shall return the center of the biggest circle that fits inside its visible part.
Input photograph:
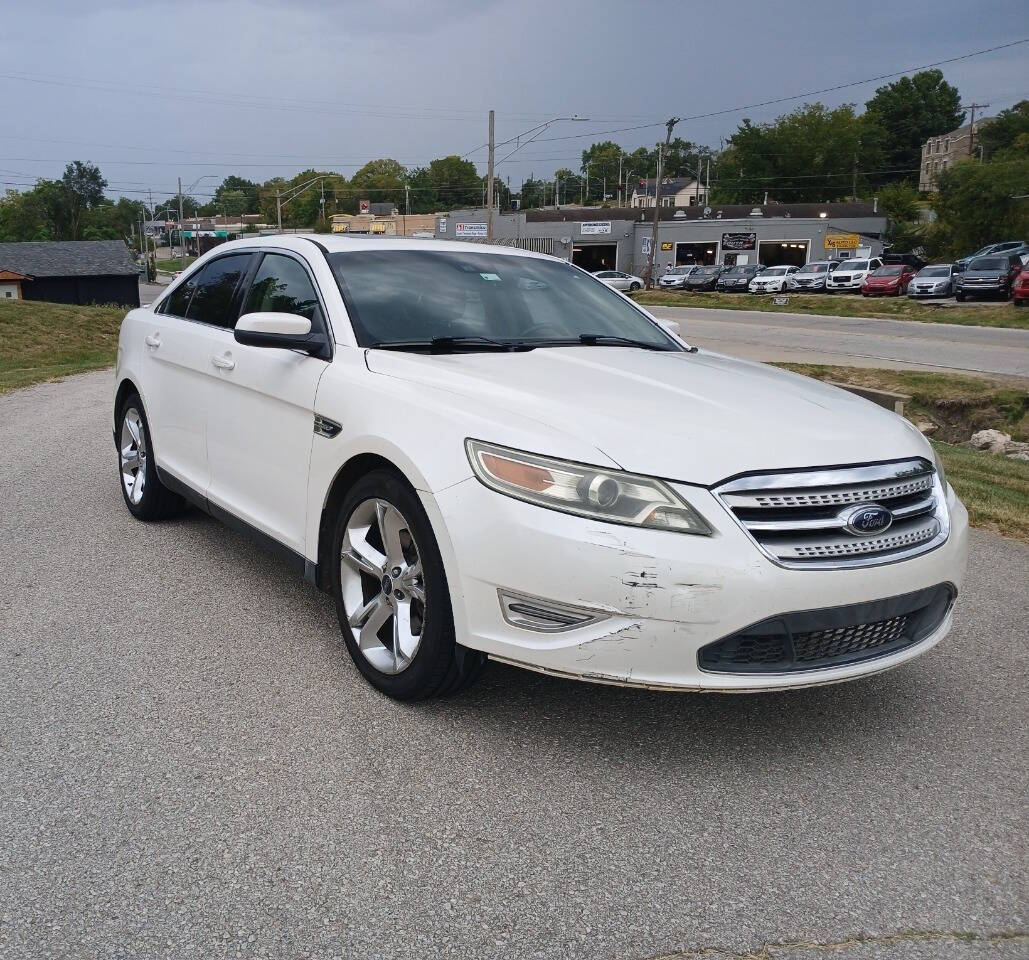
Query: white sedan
(620, 281)
(771, 280)
(484, 452)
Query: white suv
(850, 274)
(484, 452)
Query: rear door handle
(223, 363)
(152, 340)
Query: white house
(675, 192)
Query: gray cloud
(154, 91)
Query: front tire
(392, 597)
(146, 497)
(633, 287)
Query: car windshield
(398, 296)
(677, 271)
(988, 263)
(705, 271)
(890, 270)
(943, 271)
(747, 271)
(814, 268)
(855, 265)
(773, 272)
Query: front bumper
(663, 595)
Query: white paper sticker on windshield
(490, 276)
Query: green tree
(975, 203)
(808, 155)
(380, 181)
(1008, 131)
(22, 218)
(236, 196)
(84, 187)
(455, 182)
(908, 112)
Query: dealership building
(618, 238)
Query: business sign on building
(739, 241)
(843, 241)
(470, 229)
(594, 227)
(364, 206)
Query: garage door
(595, 256)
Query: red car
(889, 280)
(1020, 288)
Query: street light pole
(182, 233)
(649, 277)
(489, 182)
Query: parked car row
(998, 270)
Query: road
(191, 767)
(854, 341)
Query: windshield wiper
(455, 344)
(610, 340)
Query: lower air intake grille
(815, 639)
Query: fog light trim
(527, 612)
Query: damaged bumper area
(670, 611)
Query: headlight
(583, 490)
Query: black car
(737, 279)
(703, 278)
(992, 275)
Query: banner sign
(594, 227)
(843, 241)
(470, 229)
(739, 241)
(364, 206)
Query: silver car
(675, 277)
(936, 280)
(618, 280)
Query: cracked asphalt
(191, 767)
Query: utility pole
(182, 233)
(971, 108)
(489, 183)
(707, 185)
(278, 208)
(853, 181)
(407, 199)
(620, 155)
(323, 201)
(649, 278)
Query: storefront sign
(594, 227)
(363, 206)
(739, 241)
(665, 245)
(646, 246)
(470, 229)
(442, 224)
(842, 241)
(780, 301)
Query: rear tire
(392, 589)
(146, 497)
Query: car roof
(336, 243)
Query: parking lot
(190, 766)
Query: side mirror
(286, 331)
(672, 326)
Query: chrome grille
(802, 519)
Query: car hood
(984, 274)
(883, 281)
(695, 417)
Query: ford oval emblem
(867, 519)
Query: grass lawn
(836, 305)
(958, 405)
(994, 489)
(42, 341)
(173, 265)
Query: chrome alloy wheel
(383, 588)
(133, 455)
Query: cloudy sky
(155, 91)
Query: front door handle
(223, 362)
(152, 340)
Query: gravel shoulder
(190, 766)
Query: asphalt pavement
(855, 341)
(191, 767)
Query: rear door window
(282, 285)
(213, 299)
